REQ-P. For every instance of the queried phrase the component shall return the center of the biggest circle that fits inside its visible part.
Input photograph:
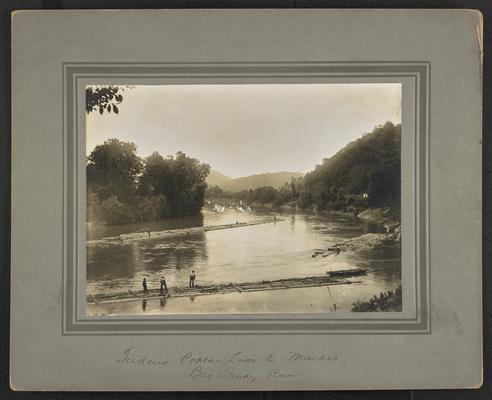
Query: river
(261, 252)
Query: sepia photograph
(250, 200)
(243, 198)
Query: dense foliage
(180, 179)
(113, 169)
(123, 188)
(388, 301)
(369, 165)
(364, 173)
(103, 98)
(265, 195)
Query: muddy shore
(386, 217)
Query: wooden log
(183, 291)
(347, 272)
(171, 233)
(237, 288)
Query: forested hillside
(122, 188)
(368, 165)
(215, 178)
(365, 173)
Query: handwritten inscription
(238, 366)
(277, 373)
(200, 373)
(192, 359)
(240, 358)
(132, 355)
(294, 356)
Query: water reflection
(100, 231)
(263, 252)
(131, 260)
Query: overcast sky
(242, 130)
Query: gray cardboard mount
(52, 350)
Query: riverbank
(389, 217)
(385, 217)
(387, 301)
(360, 243)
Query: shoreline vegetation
(386, 301)
(124, 188)
(362, 181)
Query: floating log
(237, 288)
(172, 233)
(347, 272)
(223, 288)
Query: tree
(113, 169)
(265, 194)
(149, 208)
(103, 98)
(180, 179)
(94, 213)
(114, 211)
(122, 188)
(214, 192)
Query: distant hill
(215, 178)
(274, 179)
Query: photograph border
(238, 324)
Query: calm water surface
(262, 252)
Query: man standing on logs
(163, 285)
(144, 285)
(192, 279)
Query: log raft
(172, 233)
(347, 272)
(223, 288)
